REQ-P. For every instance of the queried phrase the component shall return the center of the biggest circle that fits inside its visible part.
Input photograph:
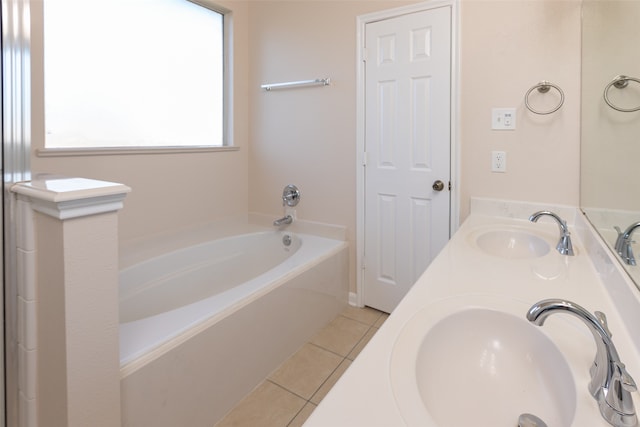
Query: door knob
(438, 185)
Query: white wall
(170, 191)
(506, 48)
(307, 136)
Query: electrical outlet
(498, 161)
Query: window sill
(125, 151)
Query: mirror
(610, 141)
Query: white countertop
(364, 395)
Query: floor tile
(292, 392)
(306, 370)
(331, 381)
(267, 406)
(362, 343)
(302, 416)
(341, 335)
(366, 315)
(381, 320)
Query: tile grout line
(328, 350)
(327, 379)
(344, 358)
(321, 384)
(308, 401)
(360, 321)
(370, 326)
(360, 340)
(286, 389)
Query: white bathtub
(203, 325)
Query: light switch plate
(503, 118)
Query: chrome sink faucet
(611, 385)
(565, 247)
(623, 243)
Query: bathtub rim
(139, 249)
(160, 349)
(278, 234)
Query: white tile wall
(27, 327)
(26, 274)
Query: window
(133, 73)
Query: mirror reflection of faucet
(623, 243)
(565, 247)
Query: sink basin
(512, 244)
(479, 366)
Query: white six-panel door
(407, 145)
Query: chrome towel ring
(619, 82)
(544, 87)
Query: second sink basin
(512, 244)
(479, 366)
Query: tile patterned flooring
(292, 392)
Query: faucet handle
(618, 397)
(626, 380)
(616, 402)
(619, 240)
(602, 319)
(290, 195)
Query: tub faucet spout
(565, 247)
(611, 385)
(285, 220)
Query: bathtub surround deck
(224, 351)
(293, 391)
(166, 298)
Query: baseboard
(353, 299)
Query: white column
(77, 368)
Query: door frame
(357, 299)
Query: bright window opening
(133, 73)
